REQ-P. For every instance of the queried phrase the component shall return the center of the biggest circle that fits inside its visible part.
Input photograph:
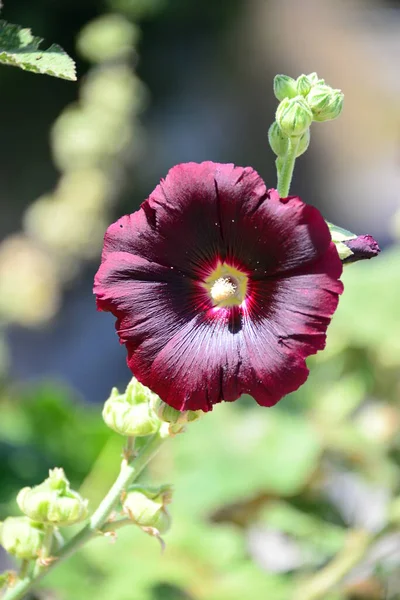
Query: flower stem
(130, 470)
(45, 551)
(24, 569)
(285, 173)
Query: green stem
(130, 470)
(24, 569)
(114, 525)
(45, 551)
(285, 174)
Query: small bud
(361, 247)
(294, 116)
(53, 501)
(171, 415)
(351, 247)
(280, 143)
(131, 413)
(325, 103)
(284, 87)
(22, 537)
(303, 85)
(147, 507)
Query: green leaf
(19, 48)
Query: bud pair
(140, 412)
(53, 502)
(287, 87)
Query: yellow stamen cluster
(223, 289)
(226, 286)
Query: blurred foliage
(65, 228)
(264, 498)
(19, 48)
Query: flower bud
(22, 537)
(325, 103)
(146, 507)
(171, 415)
(131, 413)
(53, 501)
(294, 116)
(303, 85)
(284, 87)
(361, 247)
(280, 143)
(352, 248)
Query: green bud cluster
(146, 507)
(45, 507)
(302, 101)
(53, 502)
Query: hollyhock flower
(220, 287)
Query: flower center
(223, 289)
(226, 286)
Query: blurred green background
(265, 499)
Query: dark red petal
(150, 301)
(205, 211)
(178, 225)
(210, 358)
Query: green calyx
(293, 116)
(340, 235)
(146, 507)
(171, 415)
(280, 142)
(325, 103)
(53, 502)
(21, 537)
(131, 413)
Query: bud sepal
(280, 143)
(303, 85)
(172, 415)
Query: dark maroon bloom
(220, 287)
(363, 246)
